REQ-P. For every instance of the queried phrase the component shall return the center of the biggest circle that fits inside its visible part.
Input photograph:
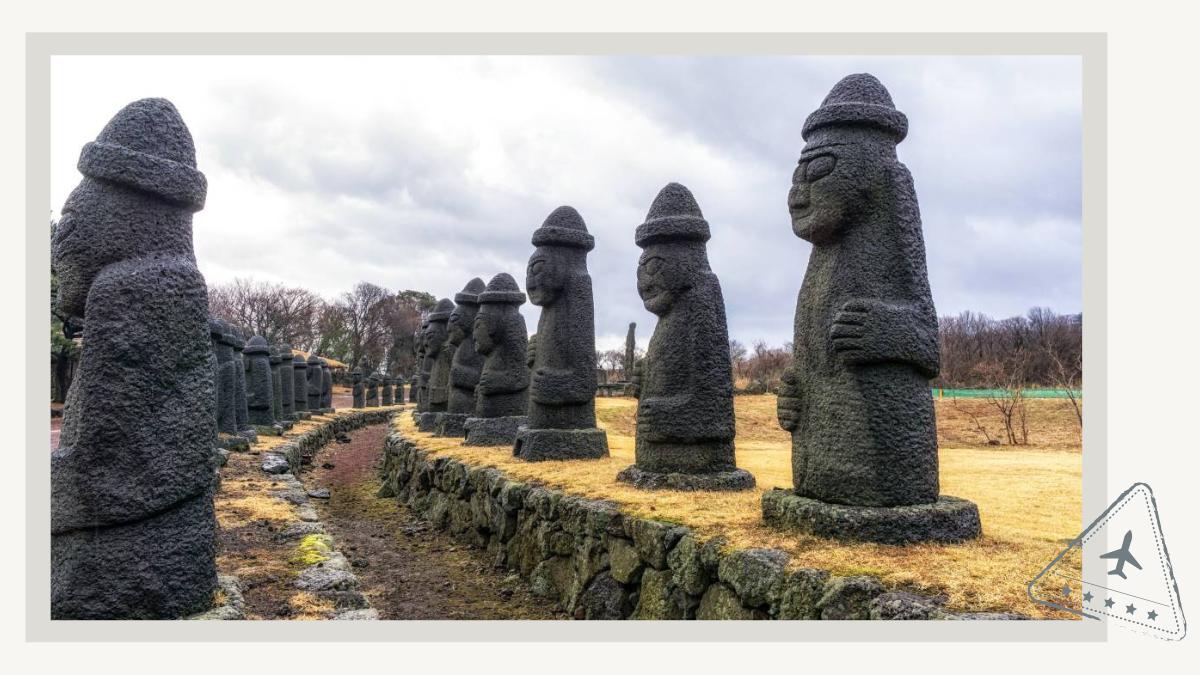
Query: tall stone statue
(241, 409)
(385, 391)
(274, 357)
(259, 384)
(131, 504)
(326, 386)
(465, 362)
(224, 377)
(315, 385)
(300, 385)
(357, 389)
(685, 425)
(630, 352)
(372, 400)
(856, 398)
(424, 369)
(562, 391)
(400, 395)
(502, 395)
(437, 358)
(287, 382)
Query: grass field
(1028, 497)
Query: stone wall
(598, 563)
(305, 445)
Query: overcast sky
(422, 172)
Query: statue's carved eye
(653, 264)
(819, 167)
(536, 266)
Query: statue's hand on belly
(872, 331)
(788, 404)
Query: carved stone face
(546, 276)
(78, 251)
(667, 270)
(838, 173)
(487, 324)
(435, 337)
(461, 322)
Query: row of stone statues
(376, 390)
(157, 379)
(262, 385)
(855, 399)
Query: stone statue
(437, 358)
(372, 391)
(385, 391)
(630, 352)
(856, 397)
(240, 407)
(326, 386)
(465, 362)
(502, 395)
(273, 358)
(424, 368)
(300, 385)
(562, 391)
(131, 504)
(259, 385)
(287, 382)
(224, 378)
(357, 390)
(685, 425)
(635, 380)
(314, 383)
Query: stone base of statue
(302, 415)
(427, 422)
(947, 520)
(535, 445)
(161, 567)
(733, 479)
(272, 430)
(323, 411)
(493, 430)
(248, 434)
(450, 424)
(233, 443)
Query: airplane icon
(1122, 556)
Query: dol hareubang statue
(134, 469)
(562, 392)
(437, 358)
(502, 395)
(465, 363)
(857, 398)
(685, 423)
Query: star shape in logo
(1087, 597)
(1130, 609)
(1108, 602)
(1152, 615)
(1066, 590)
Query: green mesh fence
(1000, 393)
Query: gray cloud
(424, 172)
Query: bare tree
(737, 358)
(278, 313)
(364, 313)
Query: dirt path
(407, 569)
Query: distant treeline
(1039, 349)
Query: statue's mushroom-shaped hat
(146, 146)
(441, 311)
(674, 216)
(257, 345)
(502, 289)
(564, 227)
(469, 295)
(858, 100)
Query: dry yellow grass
(1029, 501)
